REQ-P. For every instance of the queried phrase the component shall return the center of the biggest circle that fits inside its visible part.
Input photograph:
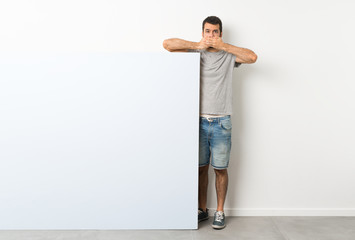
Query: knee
(221, 172)
(203, 170)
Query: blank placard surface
(99, 141)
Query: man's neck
(211, 49)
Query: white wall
(293, 131)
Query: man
(217, 62)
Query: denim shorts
(215, 141)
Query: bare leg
(202, 187)
(221, 187)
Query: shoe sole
(218, 227)
(203, 219)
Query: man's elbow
(166, 45)
(253, 58)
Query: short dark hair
(212, 20)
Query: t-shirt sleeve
(236, 64)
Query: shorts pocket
(226, 124)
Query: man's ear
(221, 34)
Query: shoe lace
(219, 216)
(200, 211)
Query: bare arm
(243, 55)
(181, 45)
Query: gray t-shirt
(216, 70)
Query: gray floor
(238, 228)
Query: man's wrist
(195, 45)
(224, 47)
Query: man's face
(211, 31)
